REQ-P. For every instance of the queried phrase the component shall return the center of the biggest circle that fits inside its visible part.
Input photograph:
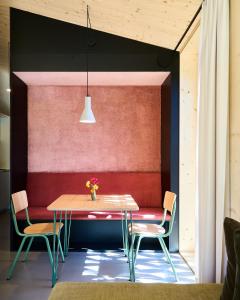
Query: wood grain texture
(188, 147)
(169, 201)
(103, 202)
(42, 228)
(158, 22)
(151, 229)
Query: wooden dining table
(64, 205)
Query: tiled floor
(31, 280)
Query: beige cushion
(134, 291)
(147, 229)
(42, 228)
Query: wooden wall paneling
(157, 22)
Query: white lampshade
(87, 114)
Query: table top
(85, 203)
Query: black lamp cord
(87, 33)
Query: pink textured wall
(126, 136)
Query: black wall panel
(19, 135)
(174, 150)
(43, 44)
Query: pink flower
(94, 180)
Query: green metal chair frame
(26, 236)
(139, 236)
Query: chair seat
(147, 229)
(42, 228)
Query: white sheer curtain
(212, 139)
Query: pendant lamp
(87, 115)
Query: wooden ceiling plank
(131, 19)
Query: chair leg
(49, 251)
(61, 250)
(131, 260)
(137, 248)
(28, 248)
(165, 250)
(12, 266)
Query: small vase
(93, 196)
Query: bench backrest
(145, 187)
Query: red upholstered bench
(41, 213)
(145, 187)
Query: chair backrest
(169, 200)
(19, 201)
(169, 205)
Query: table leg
(123, 233)
(65, 233)
(126, 234)
(131, 255)
(58, 245)
(54, 256)
(69, 230)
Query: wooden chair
(44, 230)
(143, 230)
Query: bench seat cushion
(41, 213)
(135, 291)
